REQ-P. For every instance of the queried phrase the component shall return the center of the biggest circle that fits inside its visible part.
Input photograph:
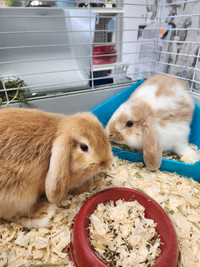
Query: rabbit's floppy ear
(57, 179)
(152, 150)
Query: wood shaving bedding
(178, 195)
(166, 155)
(121, 235)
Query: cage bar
(126, 42)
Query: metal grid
(66, 47)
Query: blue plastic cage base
(105, 111)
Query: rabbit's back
(25, 134)
(167, 97)
(26, 138)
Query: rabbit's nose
(111, 137)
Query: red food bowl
(83, 255)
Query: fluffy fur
(161, 110)
(40, 154)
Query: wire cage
(64, 47)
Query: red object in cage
(104, 54)
(81, 252)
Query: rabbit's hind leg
(186, 153)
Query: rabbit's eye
(129, 124)
(84, 147)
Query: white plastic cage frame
(50, 45)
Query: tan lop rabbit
(155, 118)
(46, 154)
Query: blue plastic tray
(105, 111)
